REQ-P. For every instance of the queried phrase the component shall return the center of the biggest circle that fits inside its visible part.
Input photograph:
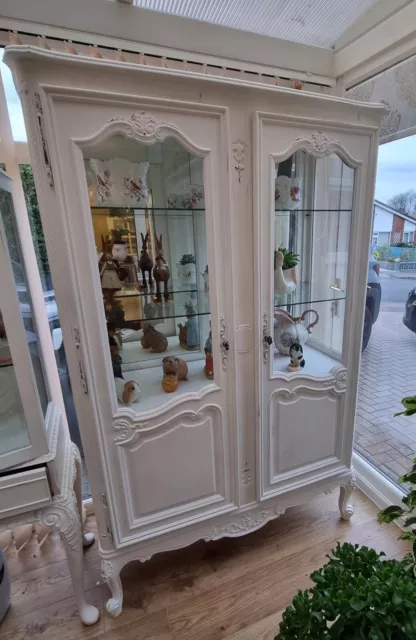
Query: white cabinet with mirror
(209, 254)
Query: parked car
(409, 317)
(373, 299)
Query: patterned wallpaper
(396, 89)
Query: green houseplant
(356, 595)
(290, 259)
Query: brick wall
(397, 229)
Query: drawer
(24, 491)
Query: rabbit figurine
(161, 271)
(145, 262)
(153, 340)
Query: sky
(396, 168)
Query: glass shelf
(151, 293)
(301, 296)
(314, 210)
(143, 307)
(129, 211)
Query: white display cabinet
(234, 179)
(40, 469)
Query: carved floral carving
(340, 381)
(107, 570)
(239, 153)
(142, 126)
(320, 142)
(62, 514)
(246, 476)
(246, 522)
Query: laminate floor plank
(232, 588)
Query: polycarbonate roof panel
(314, 22)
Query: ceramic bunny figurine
(161, 271)
(289, 329)
(145, 262)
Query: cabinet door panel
(312, 234)
(149, 246)
(304, 431)
(175, 468)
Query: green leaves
(355, 595)
(409, 404)
(390, 513)
(290, 259)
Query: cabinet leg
(87, 536)
(63, 515)
(111, 574)
(346, 509)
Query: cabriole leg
(346, 508)
(63, 515)
(111, 575)
(87, 537)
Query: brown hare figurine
(145, 262)
(161, 271)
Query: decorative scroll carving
(340, 381)
(346, 509)
(62, 514)
(246, 476)
(320, 142)
(142, 126)
(127, 430)
(246, 522)
(239, 153)
(107, 570)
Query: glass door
(311, 229)
(148, 216)
(23, 392)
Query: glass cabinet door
(312, 222)
(23, 392)
(148, 216)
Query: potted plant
(187, 269)
(285, 272)
(355, 595)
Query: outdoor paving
(388, 373)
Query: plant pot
(187, 274)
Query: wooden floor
(233, 588)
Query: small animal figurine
(145, 262)
(297, 360)
(130, 267)
(170, 383)
(127, 392)
(192, 327)
(116, 359)
(161, 272)
(175, 366)
(209, 360)
(153, 340)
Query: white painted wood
(109, 23)
(387, 43)
(24, 491)
(221, 457)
